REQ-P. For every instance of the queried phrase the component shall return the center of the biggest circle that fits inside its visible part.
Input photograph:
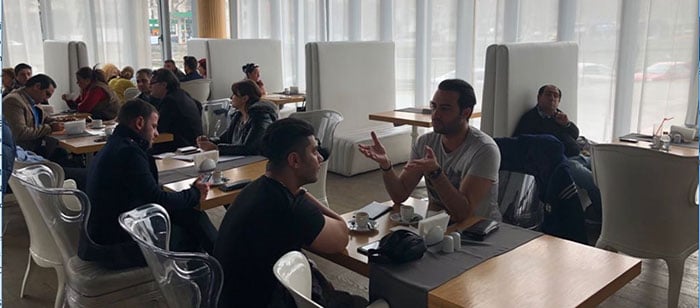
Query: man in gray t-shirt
(459, 162)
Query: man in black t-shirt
(274, 215)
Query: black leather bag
(398, 247)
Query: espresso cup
(216, 177)
(96, 123)
(407, 212)
(293, 90)
(361, 220)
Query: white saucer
(353, 227)
(396, 217)
(97, 127)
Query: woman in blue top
(248, 123)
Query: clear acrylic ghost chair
(649, 206)
(186, 279)
(42, 248)
(294, 273)
(131, 93)
(87, 284)
(324, 123)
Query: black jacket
(181, 116)
(246, 140)
(122, 177)
(532, 123)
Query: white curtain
(115, 31)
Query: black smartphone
(375, 209)
(628, 139)
(481, 229)
(365, 248)
(234, 185)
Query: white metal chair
(131, 93)
(87, 284)
(294, 273)
(186, 279)
(42, 248)
(324, 123)
(649, 206)
(199, 88)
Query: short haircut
(8, 71)
(190, 62)
(133, 109)
(21, 66)
(247, 87)
(147, 71)
(44, 81)
(93, 74)
(467, 99)
(170, 61)
(541, 90)
(167, 76)
(284, 137)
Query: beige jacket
(20, 118)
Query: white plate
(353, 227)
(396, 217)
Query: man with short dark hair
(122, 177)
(190, 69)
(460, 163)
(171, 66)
(180, 114)
(23, 72)
(547, 118)
(27, 121)
(274, 215)
(143, 83)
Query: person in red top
(95, 96)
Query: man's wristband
(387, 168)
(433, 175)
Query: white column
(276, 19)
(164, 29)
(626, 57)
(386, 20)
(354, 20)
(422, 51)
(567, 20)
(511, 20)
(233, 18)
(464, 46)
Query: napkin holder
(688, 134)
(433, 228)
(200, 157)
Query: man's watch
(433, 175)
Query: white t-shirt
(477, 156)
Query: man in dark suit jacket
(180, 114)
(123, 176)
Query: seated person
(460, 163)
(202, 68)
(274, 215)
(122, 177)
(122, 82)
(28, 123)
(547, 118)
(23, 72)
(248, 123)
(171, 66)
(190, 69)
(252, 72)
(8, 80)
(95, 96)
(180, 115)
(143, 83)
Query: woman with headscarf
(248, 123)
(95, 96)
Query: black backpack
(398, 247)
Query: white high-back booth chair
(225, 59)
(514, 72)
(62, 59)
(356, 79)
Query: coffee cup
(448, 244)
(216, 177)
(97, 123)
(293, 90)
(109, 131)
(362, 220)
(407, 212)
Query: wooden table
(545, 272)
(217, 197)
(88, 144)
(281, 99)
(414, 119)
(673, 149)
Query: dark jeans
(191, 230)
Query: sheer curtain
(115, 31)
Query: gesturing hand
(375, 152)
(202, 187)
(561, 118)
(424, 165)
(204, 144)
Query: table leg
(414, 135)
